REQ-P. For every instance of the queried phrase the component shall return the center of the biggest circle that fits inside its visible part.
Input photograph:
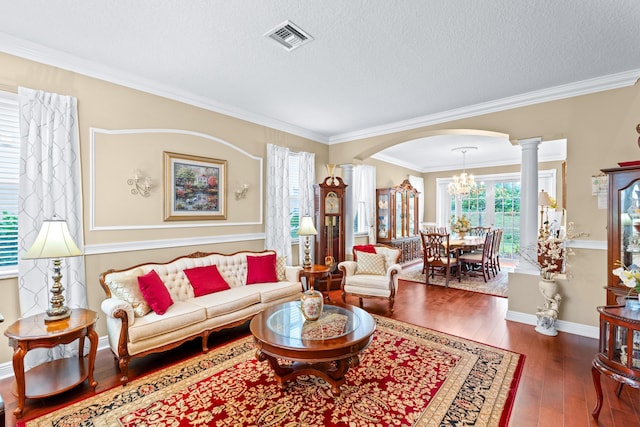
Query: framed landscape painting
(195, 187)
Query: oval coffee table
(325, 348)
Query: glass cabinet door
(619, 350)
(410, 212)
(630, 224)
(399, 215)
(383, 215)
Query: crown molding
(56, 58)
(38, 53)
(584, 87)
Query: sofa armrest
(395, 269)
(113, 307)
(348, 267)
(292, 273)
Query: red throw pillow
(154, 291)
(261, 269)
(365, 248)
(206, 280)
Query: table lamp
(306, 229)
(544, 201)
(54, 241)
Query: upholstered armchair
(373, 273)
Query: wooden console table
(59, 375)
(618, 351)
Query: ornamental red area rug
(408, 376)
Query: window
(496, 203)
(9, 184)
(294, 194)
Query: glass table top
(334, 322)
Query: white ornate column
(349, 211)
(528, 199)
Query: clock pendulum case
(330, 206)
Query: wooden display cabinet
(330, 213)
(618, 351)
(623, 225)
(397, 220)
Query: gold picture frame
(195, 187)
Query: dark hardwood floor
(555, 388)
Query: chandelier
(463, 184)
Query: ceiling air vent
(289, 35)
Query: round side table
(316, 270)
(58, 375)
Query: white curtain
(50, 184)
(277, 226)
(306, 180)
(364, 197)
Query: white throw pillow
(368, 263)
(124, 285)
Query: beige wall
(600, 129)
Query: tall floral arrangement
(551, 257)
(461, 224)
(552, 253)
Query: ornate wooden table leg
(595, 373)
(18, 369)
(93, 349)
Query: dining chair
(495, 251)
(479, 262)
(479, 231)
(438, 255)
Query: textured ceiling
(373, 66)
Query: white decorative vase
(548, 313)
(311, 304)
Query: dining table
(468, 243)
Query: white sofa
(133, 333)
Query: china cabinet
(397, 220)
(623, 225)
(618, 351)
(330, 241)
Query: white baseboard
(561, 325)
(6, 369)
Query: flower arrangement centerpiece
(552, 252)
(551, 257)
(630, 276)
(460, 225)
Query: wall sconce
(141, 184)
(241, 193)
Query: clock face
(331, 203)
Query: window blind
(9, 179)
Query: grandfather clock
(330, 205)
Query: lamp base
(58, 313)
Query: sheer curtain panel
(306, 176)
(50, 184)
(277, 226)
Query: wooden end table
(316, 271)
(56, 376)
(325, 348)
